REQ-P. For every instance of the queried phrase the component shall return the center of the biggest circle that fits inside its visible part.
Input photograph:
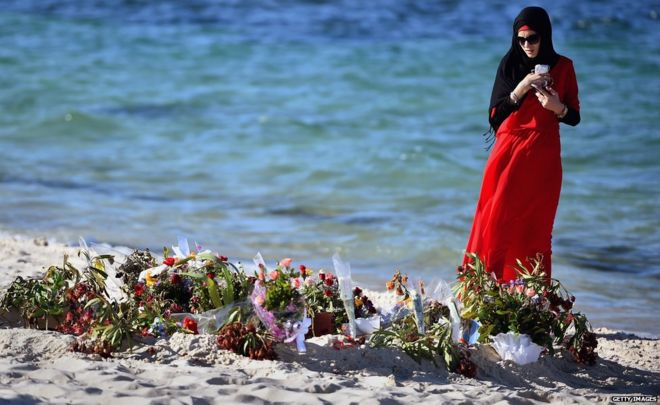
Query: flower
(175, 278)
(169, 261)
(328, 280)
(321, 275)
(296, 282)
(210, 275)
(190, 325)
(150, 280)
(530, 292)
(303, 270)
(69, 316)
(223, 258)
(259, 300)
(569, 319)
(139, 289)
(274, 275)
(520, 288)
(390, 285)
(309, 281)
(286, 262)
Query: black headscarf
(515, 65)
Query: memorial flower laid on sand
(279, 303)
(426, 335)
(323, 302)
(530, 305)
(108, 305)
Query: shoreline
(37, 366)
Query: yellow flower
(149, 280)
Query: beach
(305, 129)
(37, 366)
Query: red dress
(521, 183)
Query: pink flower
(259, 300)
(286, 262)
(296, 282)
(520, 289)
(530, 292)
(309, 281)
(569, 319)
(274, 275)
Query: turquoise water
(301, 128)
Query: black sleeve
(571, 118)
(501, 111)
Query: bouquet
(195, 281)
(278, 301)
(532, 304)
(422, 328)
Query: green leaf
(212, 287)
(228, 293)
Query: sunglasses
(532, 39)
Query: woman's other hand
(549, 99)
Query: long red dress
(521, 184)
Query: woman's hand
(549, 99)
(532, 79)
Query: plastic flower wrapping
(518, 348)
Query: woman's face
(530, 42)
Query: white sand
(36, 366)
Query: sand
(36, 366)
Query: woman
(522, 178)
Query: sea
(301, 128)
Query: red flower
(69, 316)
(328, 282)
(327, 293)
(190, 324)
(169, 261)
(175, 279)
(139, 289)
(321, 275)
(302, 268)
(210, 275)
(223, 258)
